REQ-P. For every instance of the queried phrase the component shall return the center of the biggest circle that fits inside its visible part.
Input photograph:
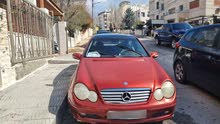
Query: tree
(76, 15)
(77, 18)
(129, 19)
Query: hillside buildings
(192, 11)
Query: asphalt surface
(194, 105)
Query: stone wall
(79, 38)
(7, 72)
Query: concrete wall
(79, 38)
(7, 72)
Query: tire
(173, 44)
(158, 42)
(179, 72)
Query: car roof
(177, 23)
(113, 35)
(204, 26)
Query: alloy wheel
(179, 72)
(173, 44)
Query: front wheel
(179, 72)
(158, 42)
(173, 44)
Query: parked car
(103, 31)
(118, 81)
(171, 33)
(197, 58)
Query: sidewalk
(37, 98)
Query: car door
(185, 52)
(165, 34)
(204, 59)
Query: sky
(105, 4)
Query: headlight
(81, 91)
(93, 96)
(158, 95)
(167, 89)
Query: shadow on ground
(57, 104)
(182, 118)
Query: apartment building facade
(141, 11)
(104, 19)
(193, 11)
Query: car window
(166, 27)
(205, 36)
(181, 26)
(188, 36)
(115, 47)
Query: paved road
(194, 105)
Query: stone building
(194, 11)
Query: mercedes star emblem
(125, 83)
(126, 96)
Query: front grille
(128, 95)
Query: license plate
(127, 115)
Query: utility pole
(93, 5)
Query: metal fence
(30, 32)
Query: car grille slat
(117, 96)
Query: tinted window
(180, 26)
(115, 47)
(188, 36)
(166, 27)
(206, 36)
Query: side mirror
(154, 54)
(77, 56)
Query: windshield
(115, 47)
(181, 26)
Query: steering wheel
(127, 53)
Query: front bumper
(98, 113)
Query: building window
(181, 8)
(143, 14)
(194, 4)
(172, 11)
(162, 7)
(157, 17)
(157, 5)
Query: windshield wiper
(129, 49)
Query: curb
(63, 62)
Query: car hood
(113, 72)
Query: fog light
(166, 112)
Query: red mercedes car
(118, 81)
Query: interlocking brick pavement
(36, 99)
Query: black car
(197, 58)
